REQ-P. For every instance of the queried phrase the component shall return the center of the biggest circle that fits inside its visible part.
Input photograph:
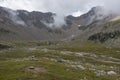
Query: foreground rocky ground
(60, 62)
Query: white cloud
(60, 6)
(78, 13)
(57, 6)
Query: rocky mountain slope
(99, 27)
(32, 26)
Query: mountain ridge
(31, 25)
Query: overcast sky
(62, 7)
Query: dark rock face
(3, 11)
(36, 19)
(102, 37)
(33, 19)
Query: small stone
(33, 58)
(45, 50)
(111, 73)
(60, 60)
(31, 49)
(80, 67)
(31, 67)
(100, 73)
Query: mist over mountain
(35, 25)
(62, 8)
(19, 23)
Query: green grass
(91, 48)
(13, 68)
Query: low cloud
(14, 16)
(61, 7)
